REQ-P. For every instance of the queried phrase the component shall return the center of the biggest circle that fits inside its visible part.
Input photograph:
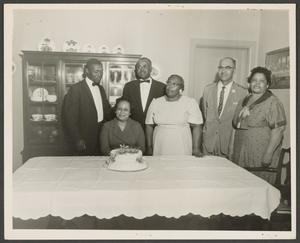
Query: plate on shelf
(88, 48)
(71, 46)
(118, 49)
(51, 98)
(103, 49)
(39, 94)
(31, 119)
(46, 44)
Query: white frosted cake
(126, 159)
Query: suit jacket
(217, 130)
(132, 93)
(111, 136)
(79, 116)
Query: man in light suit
(218, 106)
(85, 109)
(142, 91)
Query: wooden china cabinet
(47, 76)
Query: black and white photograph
(150, 121)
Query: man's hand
(149, 150)
(80, 145)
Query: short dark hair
(90, 62)
(176, 76)
(144, 59)
(118, 101)
(264, 71)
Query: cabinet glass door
(73, 74)
(119, 75)
(42, 110)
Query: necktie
(145, 81)
(221, 100)
(96, 84)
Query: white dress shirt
(145, 89)
(96, 97)
(226, 93)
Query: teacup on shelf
(37, 117)
(50, 117)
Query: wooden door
(205, 58)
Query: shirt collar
(89, 82)
(150, 79)
(220, 85)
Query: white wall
(274, 34)
(164, 36)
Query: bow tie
(96, 84)
(145, 81)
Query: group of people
(243, 125)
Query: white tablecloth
(172, 186)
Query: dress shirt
(145, 89)
(96, 97)
(226, 93)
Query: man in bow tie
(218, 105)
(142, 91)
(85, 109)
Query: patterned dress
(172, 135)
(253, 133)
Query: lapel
(230, 100)
(215, 99)
(151, 95)
(89, 95)
(137, 93)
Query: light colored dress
(253, 135)
(172, 135)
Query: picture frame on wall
(278, 61)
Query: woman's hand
(244, 112)
(196, 152)
(230, 153)
(267, 159)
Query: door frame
(251, 47)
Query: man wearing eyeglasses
(218, 105)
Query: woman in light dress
(173, 122)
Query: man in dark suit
(85, 109)
(142, 91)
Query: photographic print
(150, 121)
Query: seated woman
(260, 122)
(122, 130)
(173, 115)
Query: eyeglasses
(227, 68)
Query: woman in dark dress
(260, 122)
(122, 130)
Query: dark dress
(253, 134)
(112, 136)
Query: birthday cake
(126, 159)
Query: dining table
(173, 192)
